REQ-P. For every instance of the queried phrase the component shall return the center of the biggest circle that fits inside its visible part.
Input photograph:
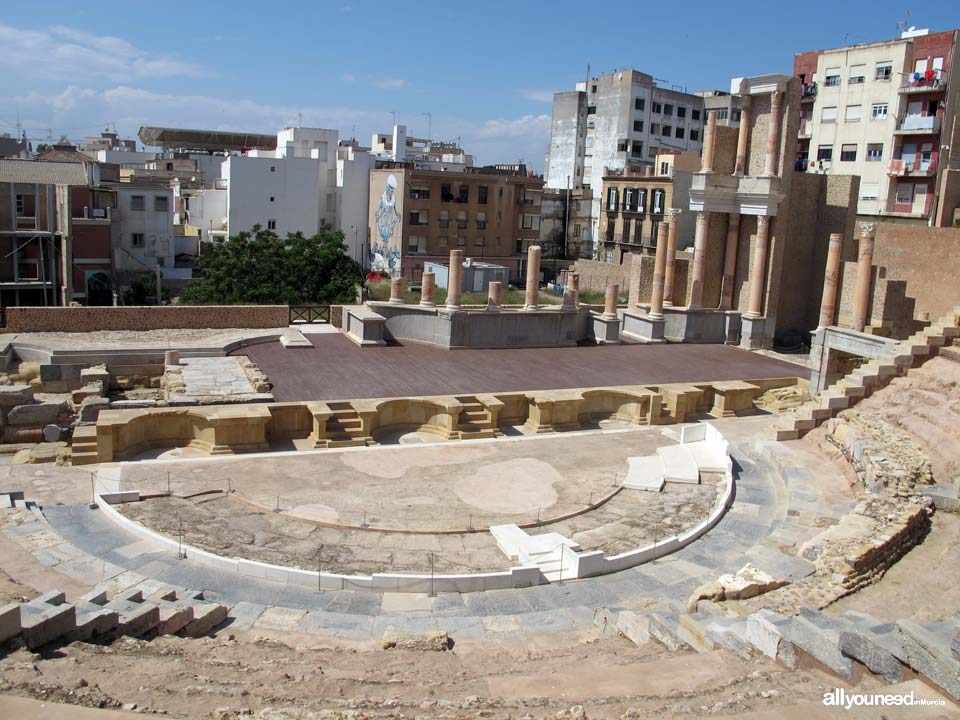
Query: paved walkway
(776, 507)
(336, 369)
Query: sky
(485, 72)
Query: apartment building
(143, 235)
(565, 224)
(613, 121)
(417, 216)
(423, 153)
(886, 111)
(637, 200)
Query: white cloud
(66, 54)
(390, 83)
(545, 96)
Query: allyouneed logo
(841, 698)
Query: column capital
(763, 222)
(674, 214)
(701, 217)
(868, 230)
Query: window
(461, 220)
(852, 114)
(656, 207)
(664, 168)
(271, 198)
(637, 149)
(667, 129)
(531, 222)
(419, 217)
(593, 88)
(878, 111)
(446, 195)
(169, 166)
(419, 192)
(444, 218)
(848, 152)
(722, 114)
(576, 230)
(667, 109)
(442, 240)
(641, 199)
(857, 74)
(695, 135)
(638, 125)
(884, 71)
(695, 114)
(161, 203)
(273, 168)
(138, 202)
(825, 152)
(905, 194)
(271, 224)
(639, 104)
(612, 198)
(629, 197)
(678, 133)
(417, 244)
(592, 110)
(519, 246)
(655, 128)
(464, 194)
(481, 221)
(622, 145)
(657, 108)
(681, 111)
(828, 115)
(869, 191)
(735, 115)
(136, 240)
(20, 205)
(832, 77)
(874, 152)
(482, 194)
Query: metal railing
(309, 314)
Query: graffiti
(385, 247)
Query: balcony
(917, 125)
(912, 167)
(806, 130)
(808, 92)
(922, 84)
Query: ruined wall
(641, 279)
(725, 150)
(596, 275)
(891, 311)
(90, 319)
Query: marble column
(758, 270)
(699, 251)
(575, 286)
(396, 291)
(533, 279)
(706, 164)
(730, 261)
(428, 289)
(494, 293)
(455, 280)
(671, 257)
(568, 304)
(861, 298)
(742, 136)
(610, 302)
(659, 270)
(828, 304)
(773, 135)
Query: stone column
(773, 136)
(533, 278)
(575, 286)
(610, 302)
(455, 280)
(494, 292)
(569, 304)
(741, 165)
(861, 298)
(428, 289)
(659, 270)
(396, 291)
(759, 269)
(671, 257)
(730, 261)
(706, 165)
(699, 250)
(828, 305)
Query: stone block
(42, 623)
(173, 618)
(94, 620)
(51, 433)
(634, 626)
(9, 621)
(36, 414)
(206, 617)
(87, 391)
(864, 647)
(692, 631)
(90, 408)
(764, 632)
(820, 641)
(95, 374)
(605, 619)
(930, 655)
(131, 404)
(136, 619)
(663, 627)
(13, 395)
(731, 637)
(955, 646)
(430, 640)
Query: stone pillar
(533, 278)
(741, 165)
(773, 135)
(610, 302)
(494, 292)
(730, 261)
(428, 289)
(569, 304)
(699, 250)
(671, 257)
(759, 269)
(706, 165)
(455, 280)
(659, 269)
(828, 304)
(171, 357)
(396, 291)
(575, 286)
(861, 298)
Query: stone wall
(640, 283)
(168, 317)
(891, 311)
(596, 276)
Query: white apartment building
(142, 229)
(353, 198)
(876, 110)
(423, 153)
(613, 121)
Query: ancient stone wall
(90, 319)
(596, 276)
(640, 283)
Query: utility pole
(429, 130)
(566, 220)
(157, 270)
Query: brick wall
(90, 319)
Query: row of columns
(863, 287)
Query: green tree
(259, 267)
(143, 291)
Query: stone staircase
(867, 378)
(344, 427)
(475, 420)
(681, 463)
(546, 551)
(95, 618)
(84, 445)
(888, 650)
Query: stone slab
(644, 473)
(9, 621)
(930, 654)
(678, 464)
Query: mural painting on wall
(385, 248)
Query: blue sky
(485, 71)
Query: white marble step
(644, 473)
(679, 464)
(708, 457)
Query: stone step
(663, 627)
(731, 635)
(83, 458)
(833, 400)
(849, 389)
(679, 464)
(47, 618)
(782, 434)
(929, 654)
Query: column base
(605, 330)
(396, 301)
(649, 329)
(755, 334)
(492, 308)
(427, 304)
(732, 327)
(531, 308)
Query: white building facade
(143, 227)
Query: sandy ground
(117, 339)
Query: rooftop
(210, 140)
(43, 172)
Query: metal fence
(309, 314)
